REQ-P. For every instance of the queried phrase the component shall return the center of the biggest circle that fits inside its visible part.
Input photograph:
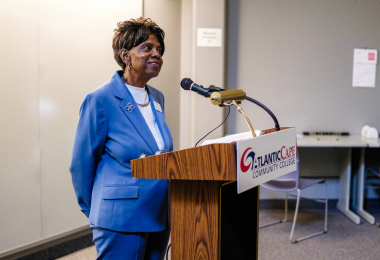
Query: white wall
(20, 205)
(167, 14)
(296, 57)
(53, 52)
(56, 51)
(205, 66)
(75, 57)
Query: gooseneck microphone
(188, 84)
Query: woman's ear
(125, 56)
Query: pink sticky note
(371, 56)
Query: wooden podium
(209, 220)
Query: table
(352, 141)
(358, 200)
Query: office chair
(292, 182)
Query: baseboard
(45, 243)
(280, 204)
(372, 205)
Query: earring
(129, 67)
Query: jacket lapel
(160, 119)
(132, 111)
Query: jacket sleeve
(90, 138)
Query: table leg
(344, 192)
(359, 208)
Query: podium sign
(265, 158)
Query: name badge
(157, 106)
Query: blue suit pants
(114, 245)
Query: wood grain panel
(195, 219)
(209, 162)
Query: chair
(292, 182)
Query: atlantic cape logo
(263, 164)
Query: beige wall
(205, 66)
(53, 52)
(20, 206)
(167, 14)
(296, 57)
(189, 115)
(76, 57)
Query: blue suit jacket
(108, 137)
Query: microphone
(188, 84)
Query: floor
(344, 239)
(88, 253)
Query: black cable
(228, 113)
(266, 109)
(167, 252)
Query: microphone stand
(266, 109)
(241, 111)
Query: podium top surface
(214, 162)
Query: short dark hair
(131, 33)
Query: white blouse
(140, 95)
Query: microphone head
(186, 83)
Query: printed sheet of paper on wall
(364, 74)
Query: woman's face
(146, 60)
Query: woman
(120, 121)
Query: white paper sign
(265, 158)
(364, 74)
(209, 37)
(232, 138)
